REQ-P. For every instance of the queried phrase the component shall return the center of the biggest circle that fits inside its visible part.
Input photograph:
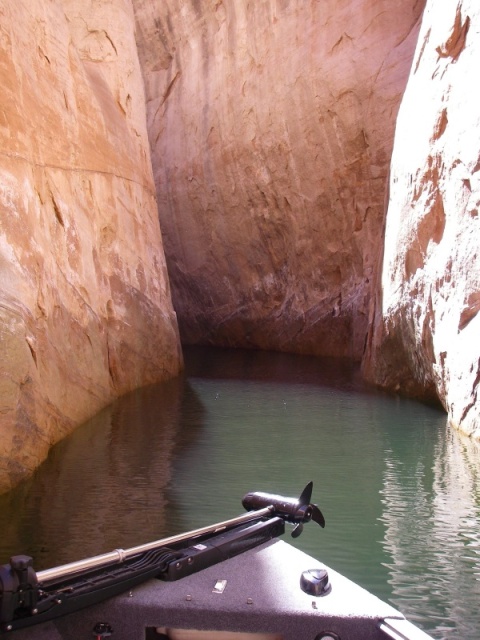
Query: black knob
(20, 563)
(315, 582)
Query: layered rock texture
(425, 337)
(263, 132)
(85, 307)
(271, 125)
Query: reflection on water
(102, 485)
(432, 517)
(399, 491)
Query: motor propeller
(295, 511)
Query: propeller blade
(291, 510)
(297, 530)
(306, 495)
(317, 516)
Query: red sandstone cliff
(425, 337)
(271, 126)
(85, 307)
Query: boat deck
(256, 592)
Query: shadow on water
(400, 492)
(238, 364)
(106, 485)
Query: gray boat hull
(256, 592)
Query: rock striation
(85, 306)
(263, 131)
(425, 336)
(271, 127)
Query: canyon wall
(425, 336)
(271, 125)
(85, 306)
(270, 132)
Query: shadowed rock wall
(425, 335)
(271, 126)
(85, 307)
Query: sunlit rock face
(271, 125)
(85, 309)
(426, 333)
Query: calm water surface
(400, 491)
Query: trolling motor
(28, 597)
(295, 511)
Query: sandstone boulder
(85, 307)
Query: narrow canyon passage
(398, 488)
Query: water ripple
(432, 536)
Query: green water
(399, 490)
